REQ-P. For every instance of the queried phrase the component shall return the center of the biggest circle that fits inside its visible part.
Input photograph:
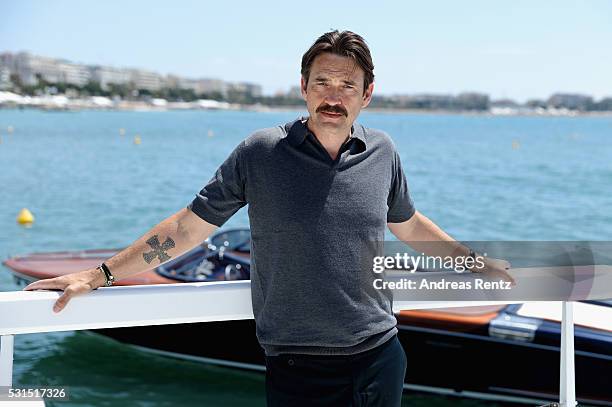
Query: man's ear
(367, 95)
(303, 87)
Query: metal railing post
(6, 360)
(567, 386)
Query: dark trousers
(371, 378)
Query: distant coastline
(32, 81)
(74, 105)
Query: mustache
(325, 108)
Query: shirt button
(291, 362)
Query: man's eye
(349, 86)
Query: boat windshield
(232, 239)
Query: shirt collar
(298, 130)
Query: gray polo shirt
(316, 224)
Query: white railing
(23, 312)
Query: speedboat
(508, 353)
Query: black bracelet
(108, 276)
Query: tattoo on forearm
(159, 250)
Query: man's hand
(496, 269)
(72, 284)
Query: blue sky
(518, 49)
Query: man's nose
(333, 97)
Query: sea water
(90, 184)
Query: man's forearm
(165, 241)
(425, 236)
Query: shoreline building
(28, 68)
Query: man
(320, 190)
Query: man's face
(334, 94)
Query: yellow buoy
(10, 129)
(137, 139)
(516, 145)
(25, 217)
(122, 132)
(210, 133)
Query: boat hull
(441, 361)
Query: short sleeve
(400, 205)
(224, 194)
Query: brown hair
(346, 44)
